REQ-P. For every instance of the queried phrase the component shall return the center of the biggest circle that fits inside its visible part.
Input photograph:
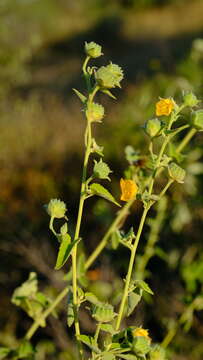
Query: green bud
(101, 170)
(190, 99)
(93, 50)
(95, 112)
(157, 353)
(109, 76)
(153, 127)
(56, 208)
(197, 119)
(103, 312)
(176, 172)
(141, 345)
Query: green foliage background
(41, 143)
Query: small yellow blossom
(141, 332)
(164, 107)
(128, 189)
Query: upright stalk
(130, 268)
(142, 221)
(88, 138)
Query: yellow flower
(128, 189)
(141, 332)
(164, 107)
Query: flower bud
(176, 172)
(95, 112)
(93, 50)
(190, 99)
(56, 208)
(197, 119)
(153, 127)
(141, 346)
(109, 76)
(157, 353)
(101, 170)
(103, 313)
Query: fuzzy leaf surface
(98, 189)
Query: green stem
(97, 332)
(51, 225)
(155, 228)
(121, 214)
(142, 221)
(78, 224)
(186, 140)
(46, 313)
(130, 268)
(172, 332)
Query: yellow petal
(128, 189)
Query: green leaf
(64, 251)
(80, 95)
(70, 311)
(115, 239)
(128, 356)
(108, 328)
(81, 272)
(144, 286)
(133, 300)
(25, 350)
(131, 154)
(91, 298)
(90, 342)
(98, 189)
(26, 290)
(107, 92)
(4, 351)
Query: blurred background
(159, 45)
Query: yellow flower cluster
(164, 107)
(128, 189)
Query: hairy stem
(130, 268)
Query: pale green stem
(186, 140)
(46, 313)
(142, 221)
(97, 332)
(78, 224)
(51, 225)
(172, 332)
(130, 268)
(152, 238)
(121, 214)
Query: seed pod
(101, 170)
(56, 208)
(197, 119)
(176, 172)
(103, 312)
(153, 127)
(95, 112)
(190, 99)
(109, 76)
(93, 50)
(141, 345)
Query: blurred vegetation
(159, 45)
